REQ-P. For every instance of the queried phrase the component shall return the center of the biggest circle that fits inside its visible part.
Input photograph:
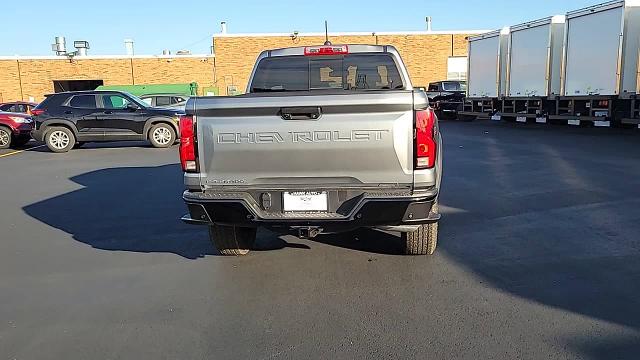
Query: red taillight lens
(188, 144)
(426, 147)
(37, 112)
(326, 50)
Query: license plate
(305, 201)
(521, 119)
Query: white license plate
(305, 201)
(521, 119)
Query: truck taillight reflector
(188, 144)
(426, 147)
(326, 50)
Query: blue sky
(28, 28)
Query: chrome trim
(549, 62)
(485, 35)
(469, 67)
(507, 90)
(563, 63)
(531, 24)
(595, 8)
(621, 45)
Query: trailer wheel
(232, 240)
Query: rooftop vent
(59, 46)
(81, 47)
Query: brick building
(25, 78)
(429, 56)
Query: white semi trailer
(582, 67)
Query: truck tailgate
(353, 139)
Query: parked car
(67, 119)
(176, 101)
(15, 129)
(327, 139)
(23, 107)
(447, 97)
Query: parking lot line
(19, 151)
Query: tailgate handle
(300, 113)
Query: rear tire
(422, 241)
(232, 240)
(60, 139)
(5, 137)
(162, 135)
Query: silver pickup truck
(327, 139)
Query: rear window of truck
(363, 71)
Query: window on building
(75, 85)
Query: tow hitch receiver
(308, 232)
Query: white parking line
(19, 151)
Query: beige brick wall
(425, 55)
(174, 71)
(9, 81)
(37, 75)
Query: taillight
(326, 50)
(188, 144)
(426, 147)
(37, 112)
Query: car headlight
(21, 120)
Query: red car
(24, 107)
(15, 129)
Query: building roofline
(354, 33)
(104, 57)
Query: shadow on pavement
(366, 240)
(134, 209)
(543, 217)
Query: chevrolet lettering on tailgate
(300, 136)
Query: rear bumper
(22, 130)
(361, 211)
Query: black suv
(68, 119)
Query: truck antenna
(326, 34)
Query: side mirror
(132, 107)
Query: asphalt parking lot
(539, 257)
